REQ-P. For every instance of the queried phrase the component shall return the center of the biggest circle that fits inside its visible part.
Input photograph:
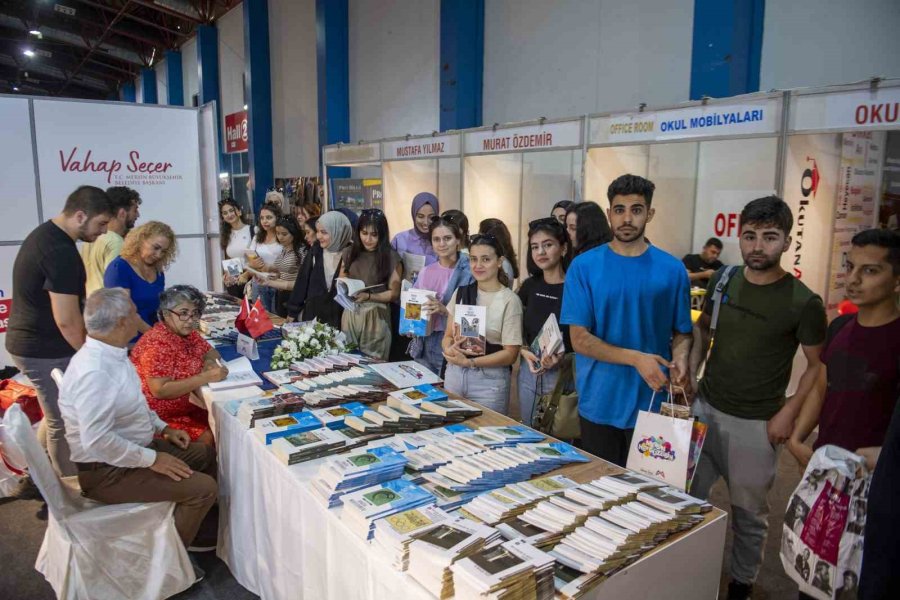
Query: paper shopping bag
(822, 537)
(660, 447)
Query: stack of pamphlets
(280, 377)
(358, 469)
(446, 498)
(511, 500)
(432, 553)
(405, 374)
(251, 411)
(395, 533)
(597, 497)
(514, 434)
(558, 515)
(673, 501)
(363, 507)
(299, 447)
(287, 402)
(355, 439)
(387, 420)
(418, 394)
(279, 426)
(514, 569)
(334, 417)
(572, 584)
(628, 482)
(414, 319)
(451, 410)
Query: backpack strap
(718, 292)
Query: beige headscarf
(338, 227)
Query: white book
(233, 267)
(346, 288)
(549, 340)
(240, 374)
(412, 264)
(472, 323)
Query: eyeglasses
(184, 317)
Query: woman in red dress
(173, 360)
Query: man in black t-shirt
(45, 324)
(702, 266)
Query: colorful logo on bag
(655, 446)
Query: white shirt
(267, 252)
(238, 242)
(106, 415)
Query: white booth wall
(403, 179)
(66, 131)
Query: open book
(240, 374)
(346, 288)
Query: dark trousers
(193, 497)
(605, 441)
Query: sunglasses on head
(482, 238)
(372, 211)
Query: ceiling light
(245, 107)
(36, 33)
(15, 88)
(28, 53)
(223, 175)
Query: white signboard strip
(353, 153)
(847, 111)
(758, 117)
(566, 134)
(152, 150)
(433, 147)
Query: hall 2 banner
(154, 150)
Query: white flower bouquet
(308, 340)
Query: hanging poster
(356, 194)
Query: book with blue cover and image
(358, 469)
(414, 319)
(272, 428)
(418, 394)
(333, 417)
(363, 507)
(514, 434)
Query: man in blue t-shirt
(624, 302)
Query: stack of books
(628, 482)
(280, 377)
(572, 584)
(432, 553)
(514, 569)
(395, 533)
(355, 439)
(279, 426)
(597, 496)
(335, 417)
(511, 500)
(673, 501)
(300, 447)
(514, 434)
(358, 469)
(363, 507)
(557, 515)
(287, 402)
(251, 411)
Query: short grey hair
(105, 308)
(179, 294)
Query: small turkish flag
(258, 321)
(240, 323)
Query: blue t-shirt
(144, 295)
(633, 302)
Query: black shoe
(26, 490)
(739, 591)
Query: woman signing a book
(371, 260)
(314, 290)
(283, 273)
(486, 335)
(541, 296)
(442, 277)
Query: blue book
(414, 319)
(267, 430)
(419, 394)
(333, 417)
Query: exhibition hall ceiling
(87, 48)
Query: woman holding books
(283, 274)
(371, 260)
(235, 238)
(443, 278)
(314, 289)
(498, 229)
(541, 296)
(263, 251)
(478, 364)
(416, 241)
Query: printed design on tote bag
(656, 446)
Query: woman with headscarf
(313, 293)
(416, 241)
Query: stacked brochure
(431, 554)
(571, 583)
(363, 507)
(513, 434)
(356, 470)
(268, 430)
(354, 439)
(299, 447)
(514, 499)
(514, 569)
(395, 533)
(673, 501)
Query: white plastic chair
(101, 551)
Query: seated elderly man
(124, 452)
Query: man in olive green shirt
(765, 314)
(98, 254)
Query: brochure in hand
(346, 288)
(471, 321)
(414, 319)
(549, 340)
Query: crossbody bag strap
(718, 292)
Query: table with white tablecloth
(282, 543)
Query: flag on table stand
(240, 322)
(258, 321)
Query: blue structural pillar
(208, 79)
(148, 86)
(727, 47)
(127, 92)
(462, 63)
(174, 78)
(333, 75)
(258, 94)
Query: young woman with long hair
(372, 260)
(498, 229)
(283, 274)
(587, 227)
(485, 378)
(560, 209)
(263, 251)
(541, 295)
(443, 278)
(235, 237)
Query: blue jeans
(532, 387)
(488, 387)
(268, 296)
(432, 354)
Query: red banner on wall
(5, 306)
(236, 132)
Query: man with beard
(628, 305)
(98, 254)
(765, 313)
(46, 325)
